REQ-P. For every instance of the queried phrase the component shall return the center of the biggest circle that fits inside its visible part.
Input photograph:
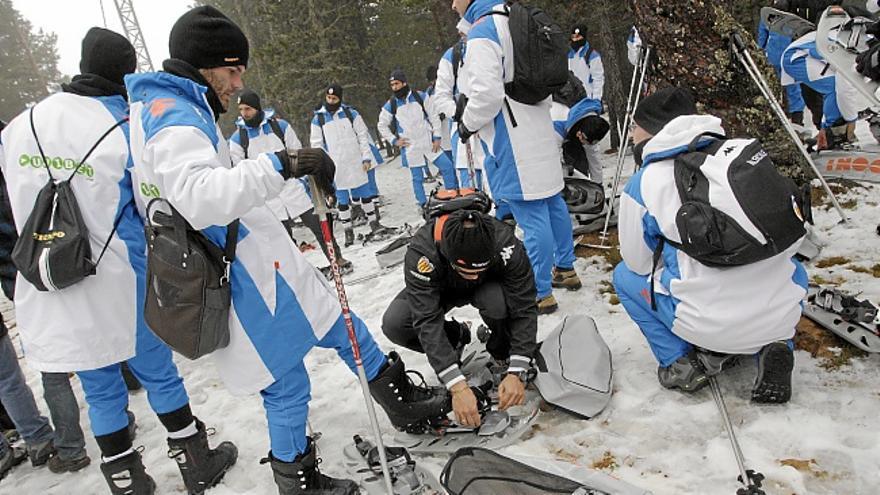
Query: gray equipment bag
(574, 368)
(393, 253)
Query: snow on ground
(658, 439)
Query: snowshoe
(345, 268)
(201, 466)
(407, 477)
(349, 237)
(381, 233)
(302, 477)
(845, 316)
(13, 457)
(840, 39)
(410, 407)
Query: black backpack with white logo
(540, 49)
(54, 250)
(772, 203)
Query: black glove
(873, 30)
(442, 116)
(868, 62)
(463, 132)
(309, 161)
(857, 11)
(460, 104)
(593, 127)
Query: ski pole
(749, 478)
(745, 58)
(320, 203)
(472, 172)
(635, 95)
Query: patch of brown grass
(832, 261)
(819, 342)
(820, 280)
(806, 466)
(611, 256)
(874, 271)
(607, 462)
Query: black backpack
(457, 62)
(393, 104)
(321, 121)
(772, 202)
(54, 250)
(540, 54)
(246, 140)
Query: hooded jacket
(447, 89)
(294, 199)
(281, 305)
(412, 124)
(591, 72)
(93, 323)
(522, 161)
(733, 310)
(346, 141)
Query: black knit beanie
(250, 98)
(580, 29)
(662, 106)
(335, 90)
(107, 54)
(205, 38)
(471, 247)
(398, 75)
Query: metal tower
(133, 32)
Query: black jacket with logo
(431, 281)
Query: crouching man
(681, 303)
(467, 258)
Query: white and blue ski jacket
(633, 46)
(447, 89)
(565, 118)
(294, 199)
(346, 141)
(281, 305)
(734, 310)
(522, 154)
(591, 72)
(413, 124)
(93, 323)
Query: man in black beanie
(280, 305)
(467, 258)
(89, 118)
(685, 307)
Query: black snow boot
(410, 407)
(349, 237)
(201, 466)
(302, 477)
(775, 364)
(127, 476)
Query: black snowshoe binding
(201, 466)
(851, 319)
(302, 477)
(411, 408)
(345, 268)
(407, 478)
(127, 476)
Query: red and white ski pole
(320, 202)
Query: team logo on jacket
(506, 253)
(160, 106)
(424, 265)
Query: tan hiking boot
(547, 305)
(566, 279)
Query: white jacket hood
(675, 137)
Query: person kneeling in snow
(467, 258)
(281, 306)
(680, 303)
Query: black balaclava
(335, 90)
(399, 75)
(638, 149)
(106, 58)
(580, 29)
(250, 98)
(468, 247)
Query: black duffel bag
(188, 285)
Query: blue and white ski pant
(372, 184)
(107, 395)
(346, 196)
(444, 163)
(548, 239)
(634, 292)
(286, 401)
(825, 85)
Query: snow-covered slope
(662, 440)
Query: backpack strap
(321, 121)
(230, 248)
(418, 98)
(587, 55)
(347, 111)
(276, 128)
(84, 158)
(394, 124)
(245, 140)
(438, 227)
(457, 62)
